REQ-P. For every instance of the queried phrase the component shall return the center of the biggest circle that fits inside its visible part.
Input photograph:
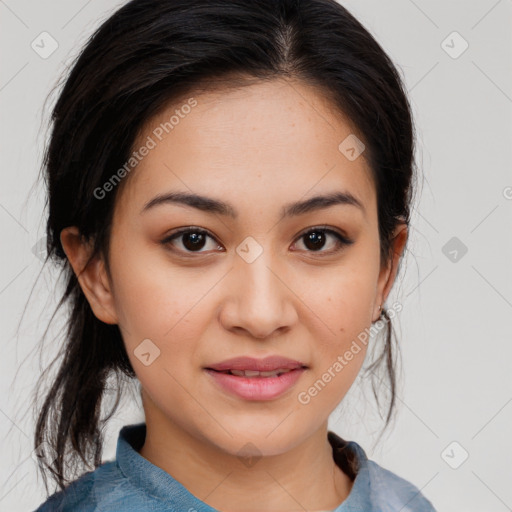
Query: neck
(304, 478)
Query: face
(252, 277)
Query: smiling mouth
(256, 385)
(255, 373)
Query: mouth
(256, 385)
(251, 374)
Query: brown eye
(192, 240)
(315, 239)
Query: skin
(258, 148)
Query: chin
(259, 441)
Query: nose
(259, 300)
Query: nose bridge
(262, 299)
(253, 266)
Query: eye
(315, 240)
(192, 239)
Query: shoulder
(75, 494)
(92, 492)
(375, 487)
(391, 492)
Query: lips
(250, 378)
(257, 388)
(256, 373)
(266, 367)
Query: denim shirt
(131, 483)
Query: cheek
(163, 304)
(343, 303)
(343, 296)
(162, 317)
(342, 309)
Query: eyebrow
(215, 206)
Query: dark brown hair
(147, 54)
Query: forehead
(274, 141)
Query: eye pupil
(317, 238)
(196, 240)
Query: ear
(92, 277)
(388, 273)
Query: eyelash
(341, 240)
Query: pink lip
(256, 388)
(262, 365)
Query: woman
(229, 192)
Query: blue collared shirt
(131, 483)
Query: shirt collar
(149, 478)
(359, 497)
(156, 482)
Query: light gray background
(455, 326)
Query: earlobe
(388, 274)
(91, 275)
